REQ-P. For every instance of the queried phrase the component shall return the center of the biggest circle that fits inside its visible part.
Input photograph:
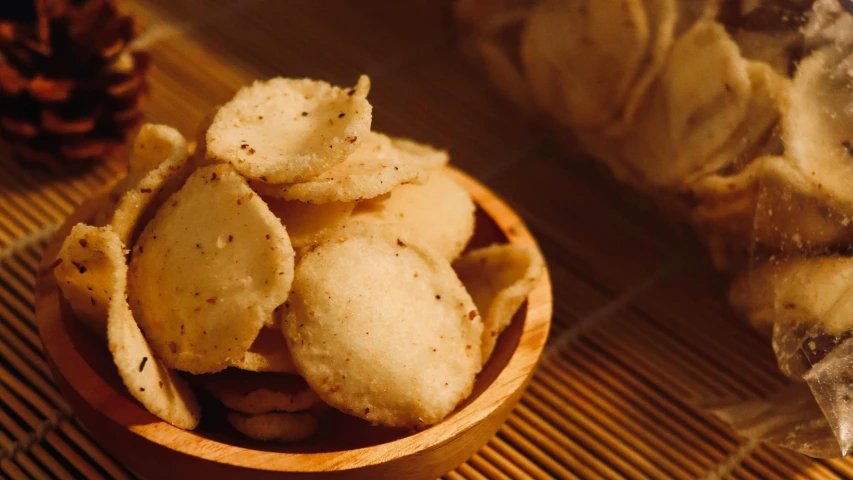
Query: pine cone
(70, 87)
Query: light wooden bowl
(345, 448)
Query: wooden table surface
(642, 338)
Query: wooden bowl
(345, 448)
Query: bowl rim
(101, 394)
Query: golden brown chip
(381, 328)
(705, 78)
(818, 125)
(86, 273)
(662, 17)
(153, 145)
(439, 212)
(499, 278)
(286, 130)
(770, 203)
(801, 291)
(275, 427)
(208, 271)
(757, 132)
(160, 390)
(372, 170)
(268, 353)
(690, 122)
(582, 57)
(158, 168)
(255, 393)
(310, 223)
(419, 154)
(701, 98)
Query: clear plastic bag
(736, 116)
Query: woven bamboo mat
(641, 336)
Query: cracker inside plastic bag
(810, 302)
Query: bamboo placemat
(641, 336)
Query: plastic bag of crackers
(737, 115)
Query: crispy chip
(805, 291)
(381, 328)
(153, 145)
(705, 79)
(255, 393)
(755, 136)
(662, 17)
(582, 57)
(279, 427)
(668, 147)
(160, 390)
(705, 90)
(499, 278)
(818, 126)
(286, 130)
(699, 101)
(268, 353)
(310, 223)
(208, 271)
(159, 167)
(419, 154)
(440, 213)
(86, 273)
(749, 206)
(372, 170)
